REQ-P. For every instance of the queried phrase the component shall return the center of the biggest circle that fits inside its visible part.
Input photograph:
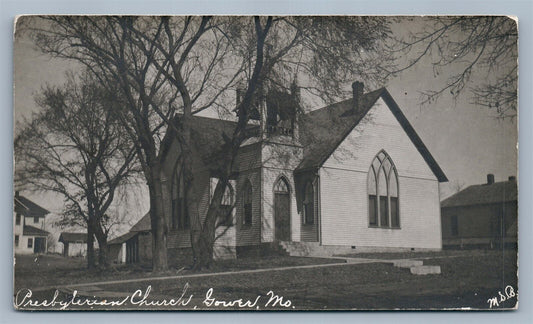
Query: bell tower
(279, 110)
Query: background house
(482, 215)
(117, 248)
(28, 222)
(74, 244)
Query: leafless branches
(75, 147)
(478, 53)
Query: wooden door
(282, 216)
(39, 245)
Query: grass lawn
(33, 271)
(468, 279)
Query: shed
(74, 244)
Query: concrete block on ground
(407, 263)
(425, 270)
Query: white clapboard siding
(343, 188)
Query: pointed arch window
(180, 216)
(225, 217)
(247, 203)
(281, 186)
(383, 189)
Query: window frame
(18, 218)
(381, 199)
(17, 240)
(247, 204)
(30, 242)
(35, 219)
(454, 225)
(227, 219)
(180, 219)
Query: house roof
(323, 130)
(28, 208)
(497, 192)
(143, 225)
(209, 134)
(33, 231)
(73, 237)
(122, 238)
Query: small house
(483, 215)
(117, 248)
(28, 222)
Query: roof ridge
(476, 194)
(346, 100)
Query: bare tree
(76, 147)
(170, 68)
(465, 48)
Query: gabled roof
(28, 208)
(121, 239)
(498, 192)
(73, 237)
(323, 130)
(33, 231)
(143, 225)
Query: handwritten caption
(508, 293)
(24, 298)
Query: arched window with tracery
(226, 206)
(247, 203)
(382, 186)
(180, 217)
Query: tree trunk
(158, 221)
(91, 259)
(203, 251)
(204, 239)
(102, 253)
(101, 237)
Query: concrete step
(312, 249)
(425, 270)
(407, 263)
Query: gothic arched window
(180, 216)
(247, 203)
(383, 207)
(226, 206)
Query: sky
(467, 141)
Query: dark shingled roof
(73, 237)
(33, 231)
(143, 225)
(28, 208)
(323, 130)
(121, 239)
(497, 192)
(208, 135)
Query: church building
(352, 176)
